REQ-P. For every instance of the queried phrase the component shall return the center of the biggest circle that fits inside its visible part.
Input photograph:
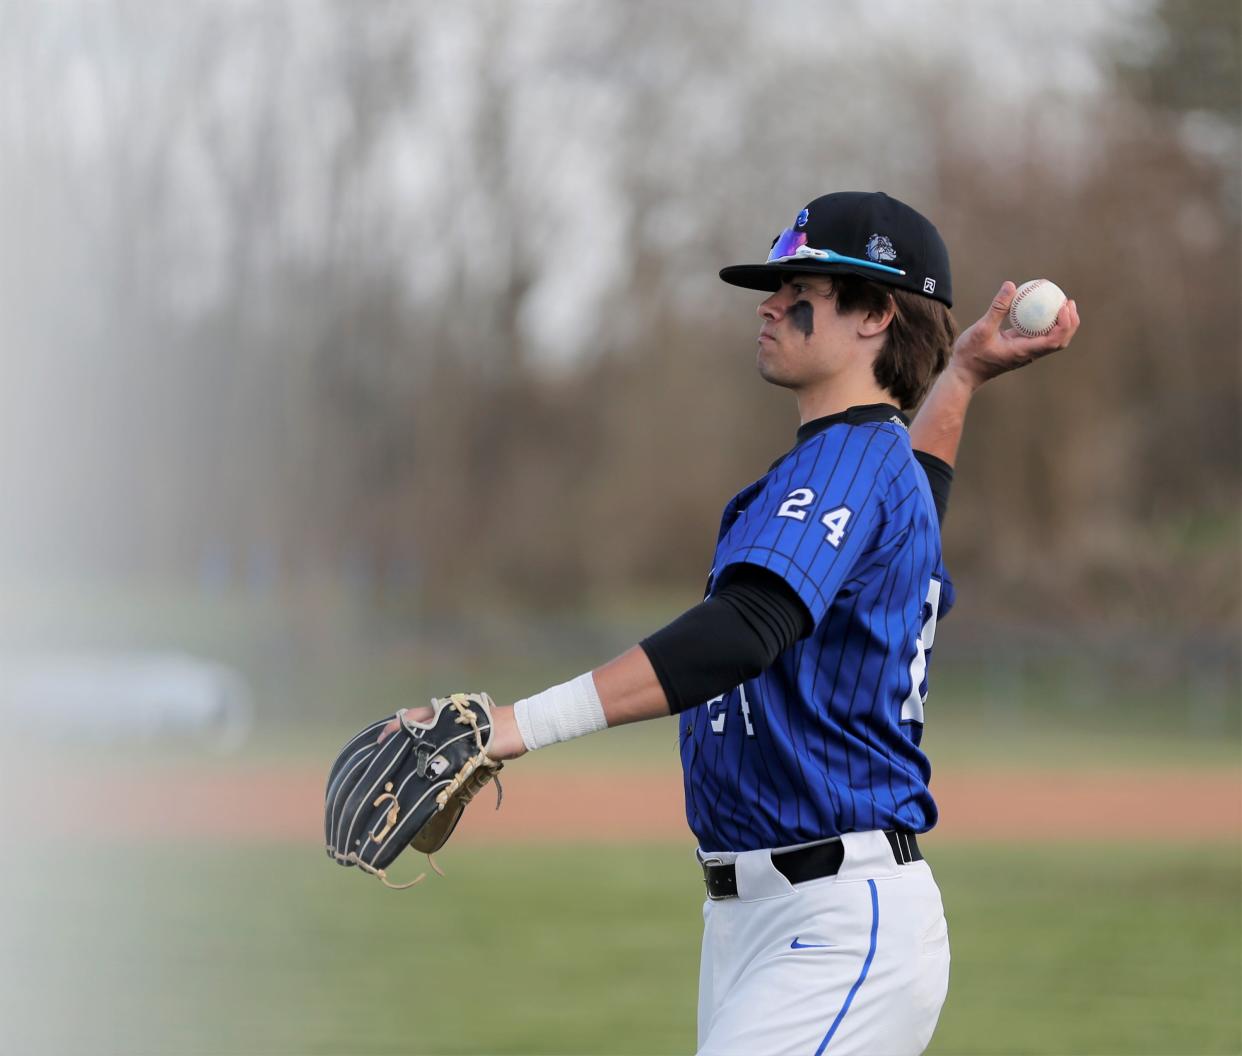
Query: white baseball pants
(856, 963)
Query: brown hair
(918, 342)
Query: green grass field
(273, 950)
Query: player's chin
(771, 371)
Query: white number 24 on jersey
(795, 507)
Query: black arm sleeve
(739, 631)
(940, 477)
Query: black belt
(806, 863)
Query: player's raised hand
(989, 347)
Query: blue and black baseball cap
(861, 233)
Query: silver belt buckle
(705, 862)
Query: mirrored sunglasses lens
(787, 243)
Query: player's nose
(771, 308)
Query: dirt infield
(285, 803)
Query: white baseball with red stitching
(1035, 306)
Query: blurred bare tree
(423, 298)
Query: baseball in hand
(1033, 312)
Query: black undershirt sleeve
(940, 477)
(751, 618)
(735, 634)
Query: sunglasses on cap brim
(790, 247)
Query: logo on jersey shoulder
(880, 249)
(796, 945)
(897, 421)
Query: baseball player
(801, 679)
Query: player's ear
(877, 320)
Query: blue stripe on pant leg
(875, 930)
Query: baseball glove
(411, 790)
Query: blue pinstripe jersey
(826, 740)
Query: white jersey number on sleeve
(795, 504)
(795, 507)
(835, 521)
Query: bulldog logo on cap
(880, 249)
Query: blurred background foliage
(395, 317)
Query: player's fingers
(1063, 332)
(999, 308)
(1022, 350)
(1061, 328)
(421, 714)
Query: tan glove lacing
(462, 779)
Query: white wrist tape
(561, 713)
